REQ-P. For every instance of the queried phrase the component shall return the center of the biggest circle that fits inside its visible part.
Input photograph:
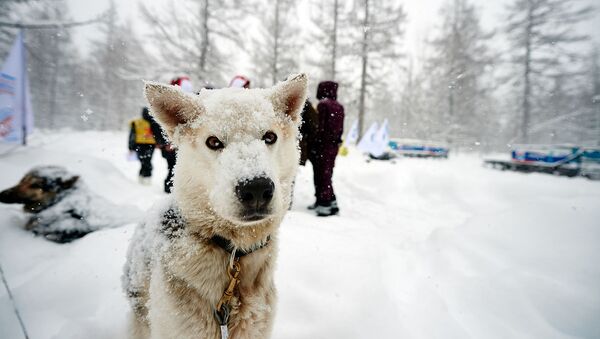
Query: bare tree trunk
(451, 118)
(205, 36)
(407, 99)
(452, 75)
(276, 33)
(108, 114)
(527, 77)
(363, 77)
(596, 91)
(53, 85)
(334, 39)
(596, 71)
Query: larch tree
(9, 11)
(188, 33)
(414, 113)
(116, 93)
(329, 19)
(459, 71)
(51, 55)
(595, 66)
(376, 41)
(541, 34)
(276, 55)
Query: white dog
(202, 266)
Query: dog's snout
(8, 196)
(255, 193)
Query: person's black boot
(334, 207)
(326, 209)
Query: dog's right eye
(214, 143)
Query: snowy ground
(422, 249)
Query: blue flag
(16, 116)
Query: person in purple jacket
(328, 138)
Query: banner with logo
(16, 115)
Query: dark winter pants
(144, 154)
(323, 160)
(171, 157)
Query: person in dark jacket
(167, 151)
(141, 141)
(328, 138)
(308, 131)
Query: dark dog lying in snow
(63, 208)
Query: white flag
(382, 139)
(352, 136)
(368, 143)
(16, 116)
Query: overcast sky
(422, 17)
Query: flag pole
(23, 86)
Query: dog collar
(227, 245)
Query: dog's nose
(255, 193)
(7, 196)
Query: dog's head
(237, 148)
(41, 187)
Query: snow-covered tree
(414, 116)
(7, 34)
(187, 34)
(376, 42)
(541, 34)
(51, 55)
(329, 20)
(595, 94)
(595, 73)
(116, 93)
(276, 55)
(459, 74)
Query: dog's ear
(288, 97)
(69, 182)
(171, 106)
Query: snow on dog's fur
(62, 206)
(237, 157)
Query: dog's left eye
(270, 138)
(214, 143)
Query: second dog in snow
(203, 266)
(62, 207)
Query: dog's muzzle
(255, 195)
(10, 196)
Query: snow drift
(422, 249)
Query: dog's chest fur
(199, 280)
(188, 278)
